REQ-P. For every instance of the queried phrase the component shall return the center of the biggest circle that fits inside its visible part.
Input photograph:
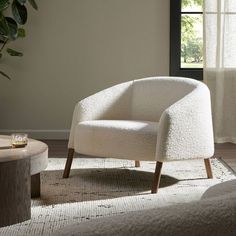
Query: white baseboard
(40, 134)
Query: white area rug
(103, 187)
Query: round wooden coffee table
(19, 178)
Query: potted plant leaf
(13, 16)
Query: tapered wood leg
(35, 185)
(208, 168)
(157, 177)
(68, 162)
(137, 163)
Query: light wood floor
(227, 151)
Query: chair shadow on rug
(97, 184)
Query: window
(186, 38)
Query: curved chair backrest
(151, 96)
(142, 99)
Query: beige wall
(75, 48)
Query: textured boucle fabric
(112, 103)
(133, 140)
(211, 217)
(186, 128)
(151, 96)
(220, 189)
(181, 106)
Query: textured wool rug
(104, 187)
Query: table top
(34, 147)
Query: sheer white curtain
(220, 65)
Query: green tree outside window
(191, 34)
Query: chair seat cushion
(126, 139)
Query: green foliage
(191, 43)
(14, 53)
(11, 25)
(12, 28)
(21, 33)
(196, 49)
(33, 4)
(4, 4)
(186, 3)
(19, 12)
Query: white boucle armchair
(154, 119)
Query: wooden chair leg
(157, 177)
(137, 163)
(208, 168)
(68, 162)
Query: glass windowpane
(191, 41)
(192, 5)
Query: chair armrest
(185, 128)
(111, 103)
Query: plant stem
(1, 72)
(4, 44)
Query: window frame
(175, 45)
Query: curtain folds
(220, 65)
